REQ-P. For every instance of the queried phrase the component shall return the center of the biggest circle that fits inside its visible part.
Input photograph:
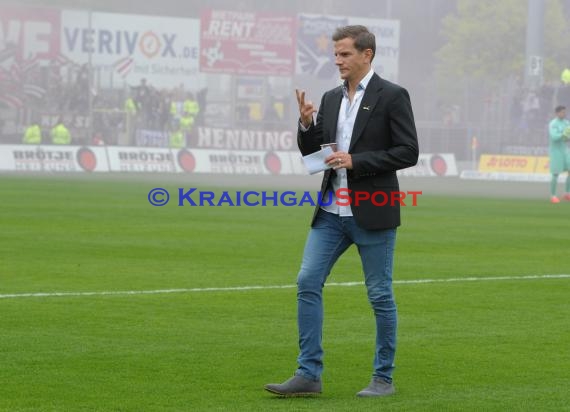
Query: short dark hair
(558, 109)
(363, 38)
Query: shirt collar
(363, 83)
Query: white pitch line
(246, 288)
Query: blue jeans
(329, 237)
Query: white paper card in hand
(315, 162)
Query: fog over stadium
(178, 234)
(209, 87)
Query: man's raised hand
(306, 109)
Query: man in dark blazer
(372, 124)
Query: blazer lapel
(367, 104)
(331, 114)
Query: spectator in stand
(451, 115)
(202, 101)
(142, 91)
(143, 99)
(190, 110)
(60, 134)
(33, 134)
(517, 118)
(177, 138)
(55, 97)
(563, 96)
(546, 102)
(164, 107)
(191, 106)
(98, 140)
(80, 91)
(151, 112)
(531, 110)
(187, 125)
(271, 115)
(131, 109)
(107, 117)
(178, 98)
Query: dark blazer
(383, 140)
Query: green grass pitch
(495, 345)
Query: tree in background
(486, 42)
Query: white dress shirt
(346, 118)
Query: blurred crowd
(43, 97)
(532, 110)
(59, 96)
(57, 103)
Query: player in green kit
(559, 132)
